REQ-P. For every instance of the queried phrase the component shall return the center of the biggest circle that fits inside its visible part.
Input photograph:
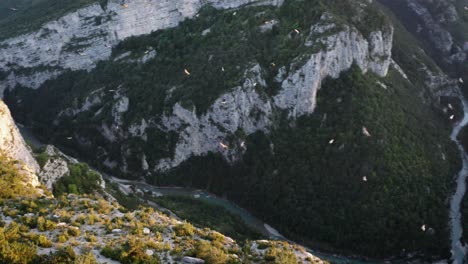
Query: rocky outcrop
(55, 168)
(299, 89)
(242, 109)
(13, 145)
(80, 39)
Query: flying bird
(365, 132)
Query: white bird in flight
(365, 132)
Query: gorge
(340, 123)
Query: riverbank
(458, 250)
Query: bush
(184, 229)
(62, 238)
(86, 259)
(42, 159)
(43, 241)
(45, 224)
(62, 255)
(209, 253)
(81, 180)
(73, 231)
(280, 256)
(132, 251)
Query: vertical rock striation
(14, 146)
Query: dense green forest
(459, 31)
(362, 194)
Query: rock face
(80, 39)
(14, 146)
(55, 168)
(299, 90)
(242, 109)
(245, 110)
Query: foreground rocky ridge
(90, 227)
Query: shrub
(63, 255)
(184, 229)
(86, 259)
(45, 224)
(62, 238)
(42, 159)
(212, 255)
(73, 231)
(280, 256)
(43, 241)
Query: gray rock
(190, 260)
(299, 89)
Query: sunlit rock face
(13, 145)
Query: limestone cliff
(246, 110)
(80, 39)
(14, 146)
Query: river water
(458, 251)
